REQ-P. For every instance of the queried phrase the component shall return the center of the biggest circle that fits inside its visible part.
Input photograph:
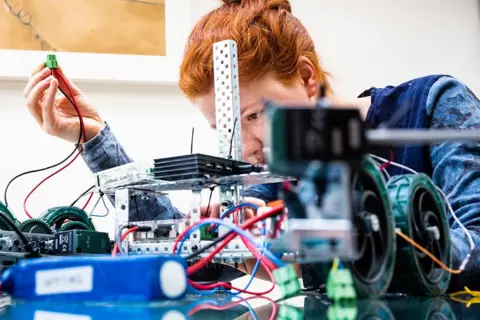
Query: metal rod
(403, 136)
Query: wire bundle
(265, 257)
(78, 148)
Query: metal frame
(228, 123)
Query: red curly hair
(270, 40)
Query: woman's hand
(56, 115)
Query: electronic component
(90, 278)
(287, 280)
(199, 166)
(51, 62)
(299, 136)
(340, 286)
(127, 174)
(82, 241)
(10, 243)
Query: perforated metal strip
(227, 99)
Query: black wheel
(35, 226)
(420, 213)
(373, 218)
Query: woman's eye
(255, 116)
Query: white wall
(363, 44)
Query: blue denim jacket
(436, 102)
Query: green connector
(342, 312)
(287, 280)
(286, 312)
(204, 235)
(340, 286)
(52, 62)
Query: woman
(278, 61)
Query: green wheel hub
(35, 226)
(74, 225)
(373, 270)
(420, 214)
(55, 217)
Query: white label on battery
(66, 280)
(46, 315)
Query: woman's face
(251, 108)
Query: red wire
(124, 236)
(69, 89)
(268, 266)
(233, 304)
(200, 264)
(59, 74)
(88, 201)
(387, 164)
(41, 182)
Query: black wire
(49, 167)
(82, 195)
(231, 139)
(28, 247)
(217, 241)
(210, 245)
(191, 140)
(209, 201)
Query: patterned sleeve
(456, 169)
(104, 152)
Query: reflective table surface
(304, 306)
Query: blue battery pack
(98, 278)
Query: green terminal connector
(286, 312)
(52, 62)
(204, 235)
(342, 311)
(340, 287)
(287, 280)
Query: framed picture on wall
(106, 41)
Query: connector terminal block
(340, 287)
(344, 311)
(286, 312)
(52, 62)
(287, 280)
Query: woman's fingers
(34, 80)
(35, 96)
(48, 113)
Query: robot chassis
(341, 207)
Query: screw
(433, 233)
